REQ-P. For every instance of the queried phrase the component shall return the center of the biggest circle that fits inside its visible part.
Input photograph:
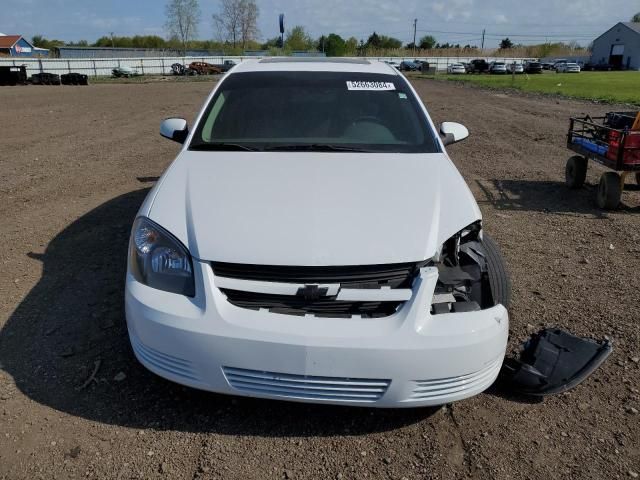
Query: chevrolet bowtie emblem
(312, 292)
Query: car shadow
(66, 347)
(545, 196)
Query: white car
(516, 68)
(313, 241)
(568, 67)
(497, 68)
(456, 68)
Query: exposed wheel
(609, 190)
(498, 275)
(575, 172)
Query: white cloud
(501, 18)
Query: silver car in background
(497, 68)
(516, 68)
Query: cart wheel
(609, 190)
(638, 178)
(575, 172)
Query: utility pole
(415, 26)
(112, 44)
(482, 47)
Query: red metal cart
(611, 140)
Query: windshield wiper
(314, 147)
(221, 147)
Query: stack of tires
(45, 79)
(74, 79)
(55, 79)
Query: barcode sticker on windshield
(371, 86)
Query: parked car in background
(533, 67)
(227, 65)
(477, 66)
(601, 67)
(557, 62)
(409, 66)
(568, 67)
(124, 72)
(456, 68)
(204, 68)
(392, 63)
(423, 64)
(497, 68)
(546, 65)
(180, 70)
(515, 68)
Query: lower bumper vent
(285, 385)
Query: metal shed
(619, 46)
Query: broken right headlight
(463, 283)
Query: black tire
(575, 172)
(498, 275)
(638, 178)
(609, 191)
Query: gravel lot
(75, 164)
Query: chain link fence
(96, 67)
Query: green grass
(615, 87)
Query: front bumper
(408, 359)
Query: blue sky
(456, 21)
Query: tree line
(235, 27)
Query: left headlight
(159, 260)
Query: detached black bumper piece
(553, 361)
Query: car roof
(314, 64)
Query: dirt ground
(75, 164)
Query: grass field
(618, 87)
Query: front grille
(398, 275)
(285, 385)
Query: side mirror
(175, 129)
(453, 132)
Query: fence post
(95, 70)
(68, 66)
(163, 70)
(142, 65)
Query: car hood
(311, 208)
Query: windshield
(324, 111)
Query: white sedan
(568, 67)
(314, 242)
(456, 68)
(516, 68)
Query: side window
(213, 114)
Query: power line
(543, 35)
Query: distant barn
(17, 46)
(619, 46)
